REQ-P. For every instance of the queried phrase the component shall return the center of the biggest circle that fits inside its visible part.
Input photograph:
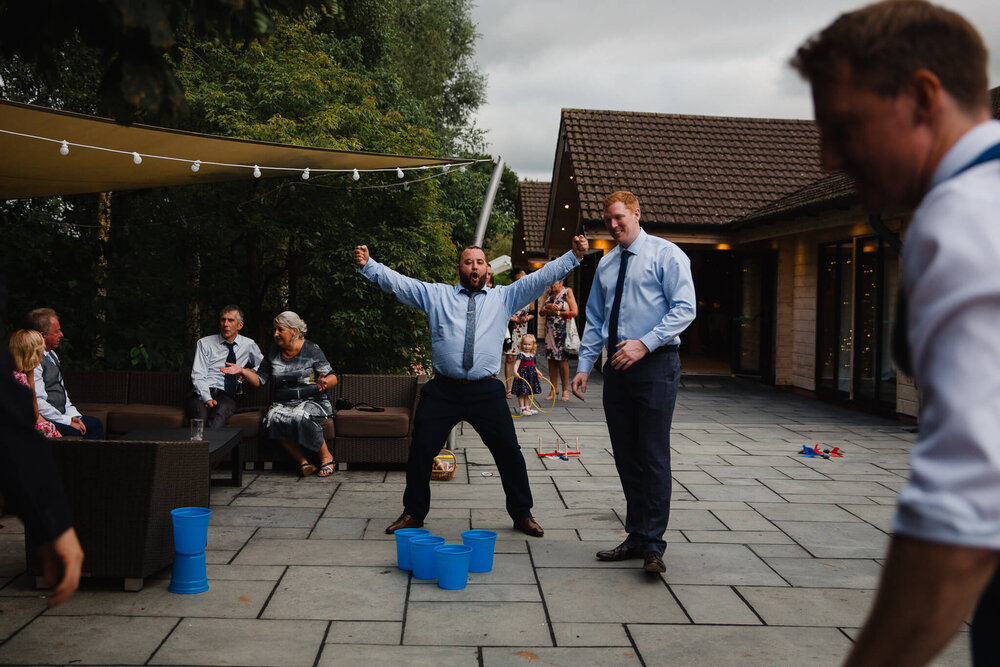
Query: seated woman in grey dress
(301, 375)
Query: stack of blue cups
(190, 538)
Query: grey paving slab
(339, 593)
(827, 572)
(339, 529)
(223, 599)
(250, 642)
(737, 536)
(228, 537)
(807, 487)
(559, 657)
(218, 572)
(714, 605)
(508, 568)
(278, 517)
(625, 596)
(837, 539)
(11, 554)
(89, 640)
(822, 607)
(364, 632)
(879, 516)
(744, 471)
(732, 646)
(717, 564)
(260, 551)
(591, 634)
(813, 512)
(743, 520)
(430, 592)
(350, 655)
(754, 493)
(477, 624)
(16, 612)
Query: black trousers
(215, 417)
(443, 404)
(639, 408)
(985, 633)
(95, 430)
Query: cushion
(125, 418)
(329, 432)
(392, 423)
(248, 422)
(97, 410)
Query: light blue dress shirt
(953, 286)
(210, 355)
(445, 306)
(658, 300)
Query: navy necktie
(616, 307)
(232, 381)
(468, 351)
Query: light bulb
(195, 166)
(64, 148)
(406, 185)
(356, 176)
(399, 172)
(256, 171)
(462, 169)
(446, 168)
(136, 158)
(305, 174)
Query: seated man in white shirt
(214, 397)
(53, 400)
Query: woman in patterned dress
(301, 375)
(27, 347)
(560, 305)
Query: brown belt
(438, 376)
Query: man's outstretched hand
(580, 246)
(361, 255)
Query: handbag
(572, 343)
(344, 404)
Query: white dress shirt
(446, 306)
(46, 409)
(658, 300)
(951, 274)
(210, 355)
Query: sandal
(327, 469)
(306, 468)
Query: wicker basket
(444, 466)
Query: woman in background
(27, 347)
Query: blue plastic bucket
(190, 529)
(189, 575)
(483, 543)
(453, 565)
(422, 555)
(403, 536)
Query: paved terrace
(771, 558)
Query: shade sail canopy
(100, 156)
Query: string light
(305, 173)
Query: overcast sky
(709, 57)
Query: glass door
(753, 337)
(834, 324)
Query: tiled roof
(689, 169)
(829, 190)
(532, 209)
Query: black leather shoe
(404, 521)
(623, 551)
(653, 562)
(529, 526)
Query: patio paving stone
(815, 607)
(837, 540)
(250, 642)
(340, 594)
(16, 612)
(89, 640)
(591, 634)
(223, 599)
(559, 657)
(365, 632)
(476, 624)
(714, 605)
(350, 655)
(736, 646)
(624, 596)
(827, 572)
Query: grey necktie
(468, 352)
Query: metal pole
(491, 193)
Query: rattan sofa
(121, 493)
(376, 437)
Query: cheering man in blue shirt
(641, 300)
(467, 323)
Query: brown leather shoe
(623, 551)
(529, 526)
(653, 562)
(404, 521)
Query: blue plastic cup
(422, 555)
(483, 543)
(403, 536)
(189, 574)
(190, 529)
(453, 565)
